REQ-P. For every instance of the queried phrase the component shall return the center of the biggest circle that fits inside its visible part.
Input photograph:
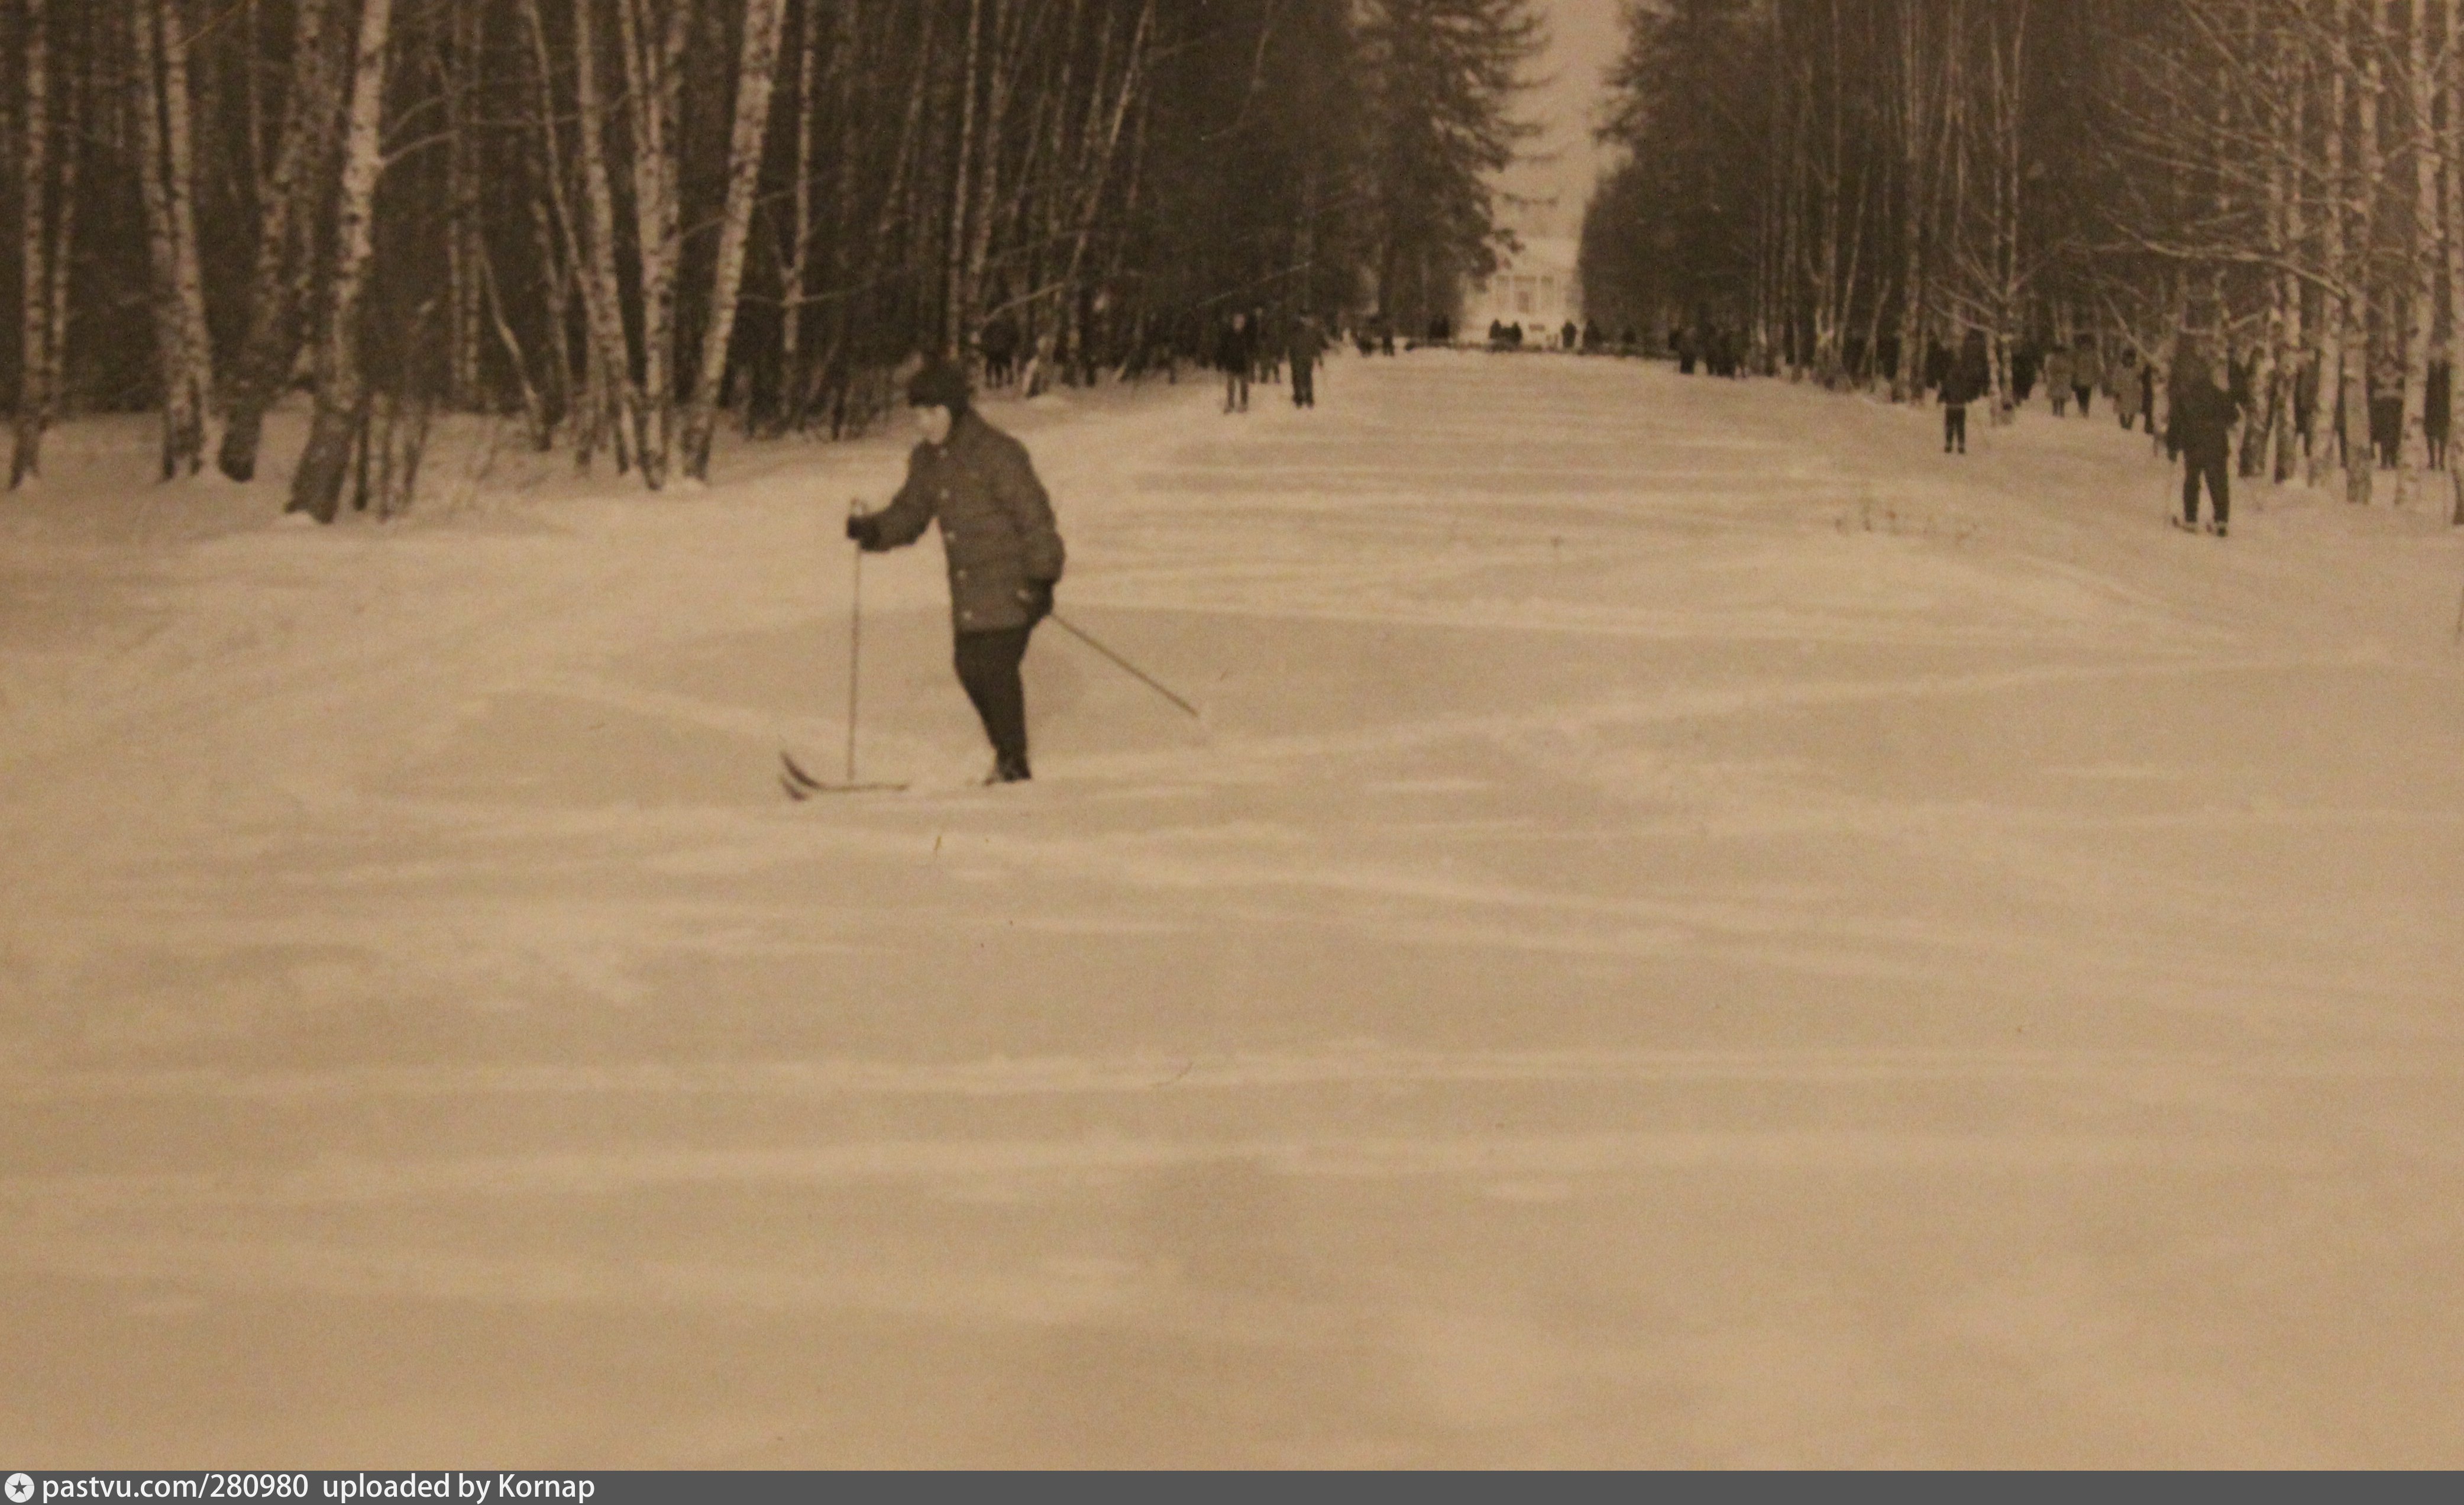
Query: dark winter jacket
(1305, 346)
(996, 529)
(1236, 349)
(2201, 423)
(1968, 381)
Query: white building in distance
(1538, 287)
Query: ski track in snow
(1694, 929)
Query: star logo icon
(21, 1488)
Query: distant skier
(2200, 429)
(2057, 379)
(1968, 379)
(1003, 552)
(1236, 352)
(2087, 373)
(2386, 413)
(2123, 383)
(1305, 348)
(1569, 338)
(1000, 339)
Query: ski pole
(855, 635)
(1131, 669)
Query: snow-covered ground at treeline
(1694, 929)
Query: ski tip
(794, 772)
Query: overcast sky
(1585, 38)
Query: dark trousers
(1303, 384)
(2218, 470)
(988, 667)
(1236, 391)
(1954, 427)
(2086, 395)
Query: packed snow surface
(1694, 929)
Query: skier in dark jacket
(1003, 552)
(2200, 429)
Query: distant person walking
(1001, 340)
(2200, 431)
(2122, 385)
(1968, 381)
(2087, 372)
(1306, 348)
(1236, 353)
(2386, 413)
(2057, 381)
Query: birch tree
(34, 357)
(316, 486)
(285, 257)
(166, 185)
(754, 82)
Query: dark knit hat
(939, 385)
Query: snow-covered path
(1695, 929)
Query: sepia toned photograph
(807, 735)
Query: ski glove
(1036, 595)
(864, 530)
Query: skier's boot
(1008, 770)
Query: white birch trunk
(2451, 172)
(756, 74)
(34, 355)
(610, 364)
(2361, 261)
(956, 330)
(654, 81)
(316, 487)
(267, 349)
(2335, 310)
(795, 265)
(183, 413)
(467, 283)
(2421, 251)
(180, 195)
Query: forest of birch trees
(625, 223)
(1848, 184)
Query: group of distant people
(1588, 337)
(2208, 393)
(1718, 349)
(1247, 352)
